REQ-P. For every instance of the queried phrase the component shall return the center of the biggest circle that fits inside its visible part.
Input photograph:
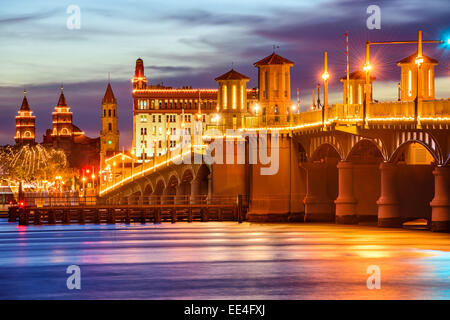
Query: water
(222, 260)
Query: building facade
(161, 114)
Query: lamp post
(419, 62)
(367, 88)
(256, 109)
(114, 172)
(132, 162)
(168, 146)
(325, 77)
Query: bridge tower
(25, 124)
(232, 98)
(109, 134)
(274, 86)
(356, 87)
(408, 82)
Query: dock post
(66, 217)
(143, 215)
(37, 217)
(82, 217)
(23, 217)
(157, 215)
(51, 217)
(97, 216)
(127, 217)
(111, 216)
(174, 215)
(12, 214)
(190, 214)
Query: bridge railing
(58, 199)
(124, 175)
(174, 200)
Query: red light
(22, 204)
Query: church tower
(274, 79)
(109, 135)
(25, 124)
(62, 119)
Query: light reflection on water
(222, 261)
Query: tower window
(104, 113)
(429, 82)
(409, 83)
(109, 113)
(109, 126)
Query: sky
(191, 43)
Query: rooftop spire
(25, 106)
(109, 95)
(62, 99)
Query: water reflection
(222, 261)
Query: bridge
(347, 163)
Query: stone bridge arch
(405, 138)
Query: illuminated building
(232, 102)
(80, 150)
(161, 113)
(109, 134)
(357, 80)
(408, 82)
(275, 86)
(25, 124)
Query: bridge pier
(346, 202)
(318, 205)
(388, 204)
(440, 214)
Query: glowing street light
(367, 67)
(419, 60)
(325, 76)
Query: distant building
(109, 134)
(159, 112)
(80, 150)
(25, 124)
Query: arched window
(109, 126)
(109, 112)
(104, 112)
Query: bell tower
(109, 134)
(409, 71)
(274, 79)
(232, 98)
(25, 124)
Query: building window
(409, 83)
(109, 113)
(224, 94)
(159, 118)
(429, 82)
(109, 126)
(153, 118)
